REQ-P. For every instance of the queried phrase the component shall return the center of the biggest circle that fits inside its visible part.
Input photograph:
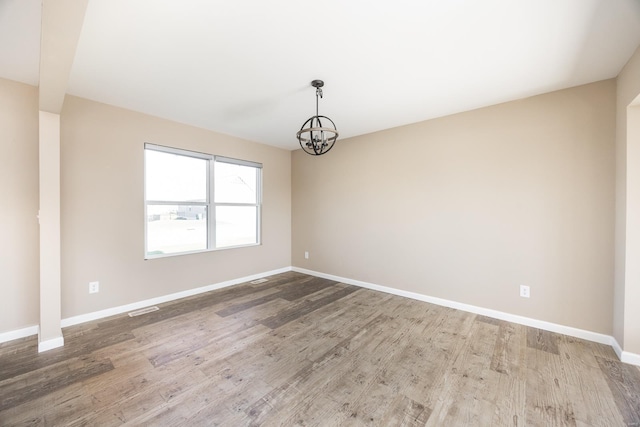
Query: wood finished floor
(300, 350)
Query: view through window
(196, 202)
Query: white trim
(238, 162)
(75, 320)
(527, 321)
(50, 344)
(18, 333)
(630, 358)
(616, 347)
(178, 151)
(625, 356)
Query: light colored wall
(103, 209)
(354, 208)
(19, 271)
(632, 263)
(50, 333)
(628, 88)
(470, 206)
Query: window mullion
(259, 207)
(211, 210)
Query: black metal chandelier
(314, 138)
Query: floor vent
(255, 282)
(143, 311)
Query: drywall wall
(470, 206)
(103, 209)
(626, 315)
(632, 253)
(50, 332)
(19, 268)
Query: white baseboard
(630, 358)
(624, 356)
(19, 333)
(75, 320)
(82, 318)
(50, 344)
(616, 347)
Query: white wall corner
(625, 356)
(616, 347)
(630, 358)
(50, 344)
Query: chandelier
(314, 138)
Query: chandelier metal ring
(314, 138)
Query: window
(196, 202)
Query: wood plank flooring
(299, 350)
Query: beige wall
(465, 207)
(50, 333)
(632, 264)
(19, 271)
(103, 209)
(628, 88)
(470, 206)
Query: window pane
(235, 183)
(172, 178)
(176, 228)
(236, 225)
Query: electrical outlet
(306, 255)
(524, 291)
(94, 287)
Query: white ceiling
(244, 67)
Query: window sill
(150, 257)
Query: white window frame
(257, 204)
(210, 203)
